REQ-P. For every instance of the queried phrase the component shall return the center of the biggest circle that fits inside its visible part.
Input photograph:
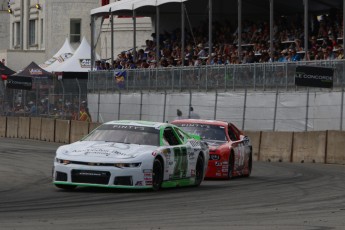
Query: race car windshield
(206, 132)
(125, 134)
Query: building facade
(36, 29)
(4, 26)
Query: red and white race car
(230, 149)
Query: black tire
(199, 170)
(231, 166)
(157, 175)
(250, 165)
(66, 187)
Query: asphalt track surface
(276, 196)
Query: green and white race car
(132, 154)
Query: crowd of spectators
(325, 43)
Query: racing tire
(66, 187)
(250, 165)
(231, 166)
(199, 170)
(157, 175)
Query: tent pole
(182, 34)
(134, 36)
(209, 30)
(92, 42)
(112, 37)
(271, 29)
(306, 29)
(239, 29)
(157, 34)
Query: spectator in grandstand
(295, 56)
(339, 53)
(283, 55)
(153, 64)
(98, 65)
(200, 51)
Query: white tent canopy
(130, 5)
(80, 61)
(65, 52)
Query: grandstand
(211, 36)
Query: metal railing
(255, 76)
(56, 98)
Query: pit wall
(301, 147)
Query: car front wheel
(157, 175)
(231, 166)
(199, 171)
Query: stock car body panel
(121, 154)
(230, 150)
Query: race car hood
(90, 150)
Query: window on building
(17, 34)
(42, 31)
(32, 32)
(75, 30)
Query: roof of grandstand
(220, 8)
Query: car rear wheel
(231, 166)
(66, 187)
(250, 165)
(157, 175)
(199, 171)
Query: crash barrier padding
(35, 128)
(335, 147)
(62, 131)
(276, 146)
(24, 127)
(12, 127)
(254, 137)
(78, 130)
(93, 125)
(309, 147)
(48, 129)
(3, 124)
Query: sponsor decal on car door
(239, 151)
(180, 162)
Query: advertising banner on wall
(314, 76)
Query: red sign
(4, 77)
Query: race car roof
(137, 123)
(200, 121)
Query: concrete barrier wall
(62, 131)
(12, 127)
(24, 127)
(78, 130)
(35, 128)
(255, 138)
(48, 129)
(3, 124)
(335, 147)
(309, 147)
(313, 146)
(276, 146)
(92, 126)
